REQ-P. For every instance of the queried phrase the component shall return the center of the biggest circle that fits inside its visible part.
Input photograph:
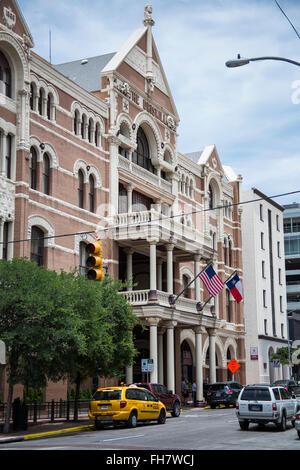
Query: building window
(277, 223)
(266, 326)
(262, 245)
(91, 194)
(41, 102)
(46, 174)
(37, 246)
(76, 122)
(282, 330)
(80, 189)
(141, 156)
(264, 298)
(97, 135)
(33, 168)
(228, 307)
(210, 197)
(278, 249)
(5, 76)
(229, 253)
(8, 156)
(261, 212)
(225, 252)
(263, 270)
(82, 258)
(185, 282)
(280, 303)
(279, 276)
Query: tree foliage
(61, 325)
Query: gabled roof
(86, 72)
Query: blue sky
(251, 113)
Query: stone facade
(103, 159)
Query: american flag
(211, 280)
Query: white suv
(263, 404)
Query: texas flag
(235, 287)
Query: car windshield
(256, 394)
(107, 395)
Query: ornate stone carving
(7, 199)
(148, 20)
(9, 17)
(171, 123)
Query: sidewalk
(46, 428)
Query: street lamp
(244, 61)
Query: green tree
(107, 326)
(37, 324)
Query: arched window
(228, 307)
(90, 130)
(230, 253)
(97, 135)
(41, 102)
(142, 154)
(91, 193)
(8, 156)
(210, 197)
(185, 282)
(76, 122)
(83, 126)
(5, 76)
(225, 252)
(80, 189)
(31, 96)
(46, 174)
(33, 168)
(37, 246)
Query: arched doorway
(186, 361)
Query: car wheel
(132, 420)
(293, 422)
(176, 410)
(244, 425)
(282, 425)
(99, 425)
(162, 417)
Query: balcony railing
(141, 297)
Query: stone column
(159, 273)
(153, 322)
(113, 175)
(170, 248)
(1, 237)
(170, 356)
(153, 287)
(199, 364)
(212, 354)
(129, 188)
(129, 252)
(161, 355)
(197, 280)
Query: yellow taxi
(112, 405)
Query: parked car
(223, 393)
(290, 385)
(171, 400)
(297, 423)
(112, 405)
(265, 403)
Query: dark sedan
(223, 393)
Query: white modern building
(264, 286)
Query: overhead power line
(114, 227)
(287, 18)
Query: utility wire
(266, 198)
(287, 18)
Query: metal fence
(49, 410)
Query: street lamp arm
(240, 62)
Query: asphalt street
(194, 430)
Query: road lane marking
(118, 438)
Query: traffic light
(94, 262)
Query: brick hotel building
(92, 144)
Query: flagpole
(172, 300)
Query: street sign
(276, 362)
(147, 365)
(254, 353)
(233, 366)
(2, 352)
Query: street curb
(45, 434)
